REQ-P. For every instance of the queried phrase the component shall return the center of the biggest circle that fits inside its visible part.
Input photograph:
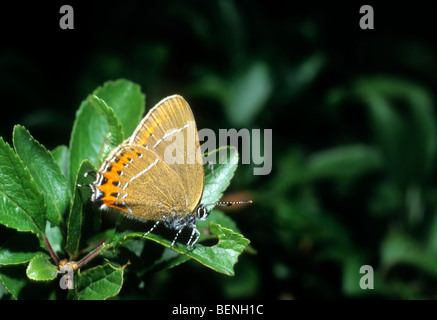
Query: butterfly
(142, 179)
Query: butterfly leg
(177, 235)
(191, 237)
(154, 226)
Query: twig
(89, 256)
(51, 251)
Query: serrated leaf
(56, 239)
(224, 255)
(169, 259)
(220, 218)
(13, 279)
(20, 286)
(90, 129)
(19, 248)
(21, 204)
(221, 257)
(76, 218)
(115, 134)
(4, 293)
(60, 155)
(45, 172)
(219, 175)
(41, 269)
(98, 283)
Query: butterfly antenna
(228, 203)
(231, 203)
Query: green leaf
(115, 134)
(343, 162)
(90, 129)
(19, 248)
(98, 283)
(22, 204)
(169, 259)
(403, 119)
(41, 269)
(300, 77)
(77, 216)
(56, 239)
(4, 293)
(248, 94)
(351, 276)
(224, 255)
(400, 248)
(220, 218)
(221, 257)
(60, 155)
(218, 176)
(13, 279)
(45, 172)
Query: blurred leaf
(248, 94)
(291, 171)
(300, 219)
(386, 199)
(406, 136)
(298, 78)
(246, 282)
(22, 206)
(231, 27)
(398, 248)
(45, 172)
(343, 162)
(352, 263)
(431, 243)
(40, 269)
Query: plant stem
(51, 251)
(90, 256)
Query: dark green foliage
(352, 111)
(36, 198)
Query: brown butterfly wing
(138, 184)
(170, 126)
